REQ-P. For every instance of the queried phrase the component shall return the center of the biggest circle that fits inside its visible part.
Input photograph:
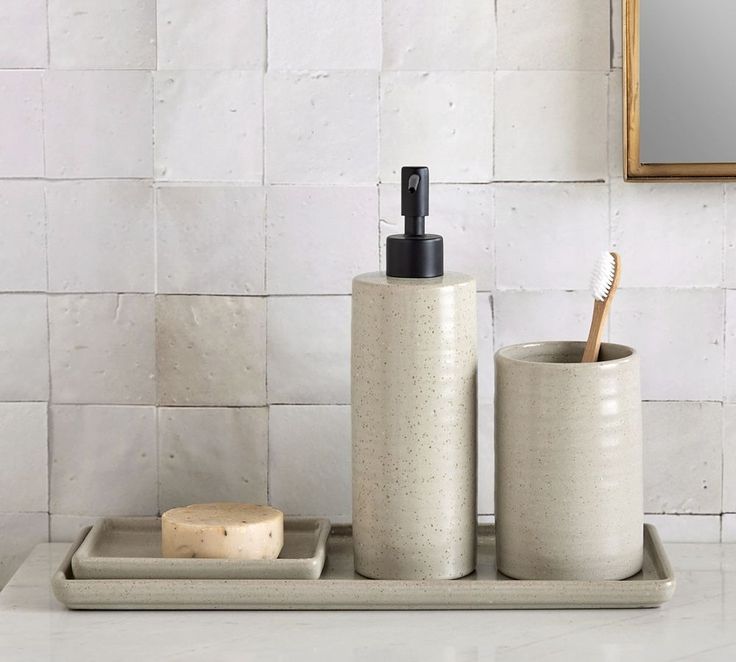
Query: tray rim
(362, 594)
(97, 567)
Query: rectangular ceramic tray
(341, 588)
(130, 548)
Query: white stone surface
(309, 350)
(309, 461)
(23, 39)
(533, 316)
(442, 119)
(680, 231)
(23, 446)
(321, 127)
(485, 458)
(114, 34)
(728, 528)
(730, 385)
(65, 528)
(551, 125)
(201, 34)
(433, 34)
(320, 237)
(212, 454)
(485, 347)
(23, 249)
(678, 334)
(100, 236)
(682, 457)
(729, 460)
(687, 528)
(102, 348)
(24, 362)
(549, 235)
(21, 532)
(323, 34)
(209, 126)
(97, 124)
(615, 126)
(103, 460)
(730, 247)
(21, 124)
(211, 350)
(566, 34)
(210, 240)
(616, 33)
(463, 215)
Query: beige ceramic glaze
(568, 462)
(414, 371)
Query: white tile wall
(187, 189)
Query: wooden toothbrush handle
(595, 335)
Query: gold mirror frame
(633, 167)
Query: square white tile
(102, 348)
(309, 350)
(323, 34)
(551, 125)
(103, 460)
(728, 528)
(23, 37)
(485, 347)
(731, 345)
(679, 337)
(24, 349)
(566, 34)
(211, 239)
(200, 34)
(211, 350)
(320, 237)
(441, 119)
(548, 236)
(521, 317)
(730, 246)
(23, 249)
(114, 34)
(309, 461)
(322, 127)
(729, 459)
(21, 124)
(98, 124)
(486, 478)
(687, 528)
(462, 214)
(669, 235)
(428, 35)
(212, 454)
(209, 126)
(23, 444)
(616, 33)
(65, 528)
(615, 126)
(682, 456)
(100, 236)
(21, 533)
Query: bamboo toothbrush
(603, 284)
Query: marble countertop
(699, 624)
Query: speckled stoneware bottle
(568, 456)
(414, 371)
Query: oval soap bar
(222, 531)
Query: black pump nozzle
(414, 254)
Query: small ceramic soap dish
(130, 548)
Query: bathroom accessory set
(569, 526)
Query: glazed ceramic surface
(130, 548)
(414, 372)
(568, 454)
(342, 588)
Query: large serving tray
(341, 588)
(130, 548)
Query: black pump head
(414, 254)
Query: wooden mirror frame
(633, 167)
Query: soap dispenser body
(414, 374)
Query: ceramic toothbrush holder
(568, 447)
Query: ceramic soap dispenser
(414, 373)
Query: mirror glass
(687, 75)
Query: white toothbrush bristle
(603, 274)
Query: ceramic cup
(568, 462)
